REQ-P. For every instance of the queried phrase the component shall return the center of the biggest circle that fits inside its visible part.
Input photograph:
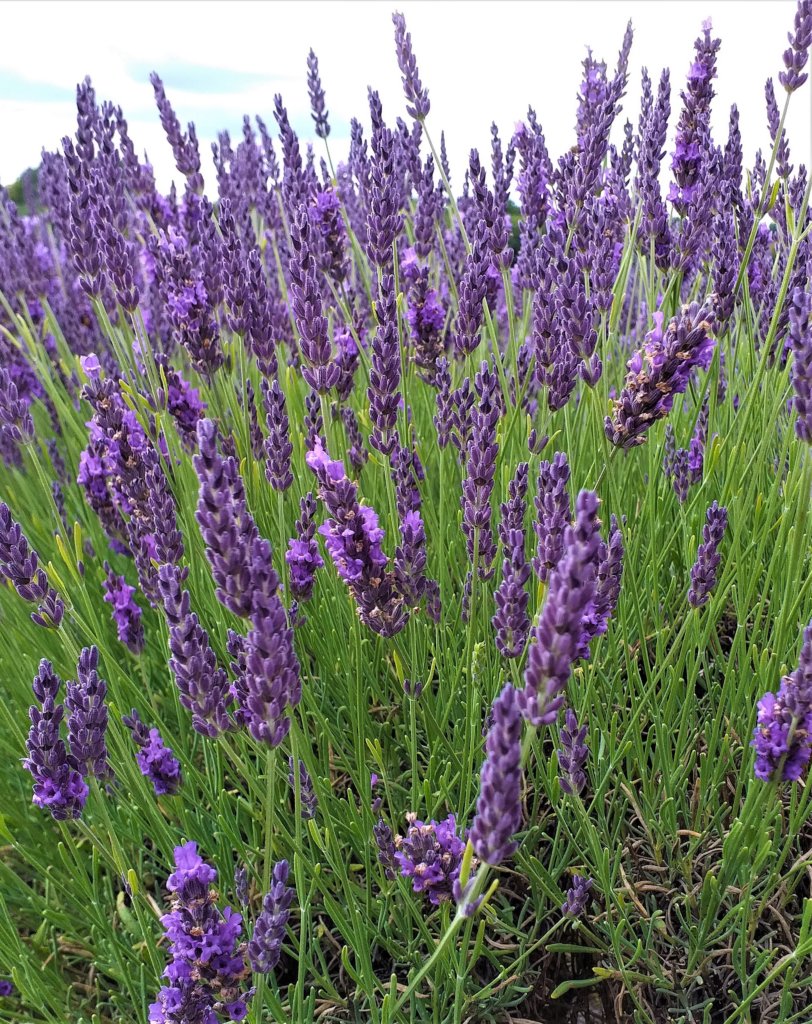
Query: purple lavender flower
(307, 794)
(206, 967)
(431, 855)
(607, 581)
(184, 145)
(443, 401)
(6, 988)
(87, 717)
(553, 515)
(480, 469)
(410, 554)
(155, 759)
(272, 681)
(15, 415)
(357, 451)
(660, 370)
(578, 897)
(265, 947)
(499, 809)
(572, 754)
(303, 556)
(225, 522)
(20, 565)
(693, 127)
(797, 53)
(385, 842)
(320, 370)
(278, 448)
(203, 685)
(512, 621)
(800, 342)
(783, 734)
(58, 785)
(705, 569)
(560, 634)
(126, 613)
(417, 97)
(316, 92)
(384, 375)
(353, 539)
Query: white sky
(480, 61)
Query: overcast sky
(481, 62)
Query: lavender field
(406, 577)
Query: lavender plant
(430, 561)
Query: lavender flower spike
(155, 759)
(578, 896)
(307, 794)
(431, 855)
(87, 717)
(416, 96)
(126, 613)
(800, 340)
(206, 967)
(512, 621)
(797, 54)
(499, 809)
(705, 568)
(57, 782)
(552, 514)
(560, 634)
(316, 92)
(783, 734)
(20, 565)
(265, 947)
(660, 370)
(572, 754)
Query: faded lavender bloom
(385, 842)
(278, 448)
(417, 97)
(87, 717)
(126, 613)
(206, 967)
(572, 754)
(480, 469)
(431, 855)
(660, 370)
(797, 53)
(303, 556)
(783, 734)
(499, 808)
(203, 685)
(316, 93)
(384, 375)
(20, 565)
(353, 539)
(512, 621)
(265, 947)
(800, 343)
(58, 784)
(553, 514)
(560, 636)
(307, 794)
(155, 759)
(705, 569)
(578, 897)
